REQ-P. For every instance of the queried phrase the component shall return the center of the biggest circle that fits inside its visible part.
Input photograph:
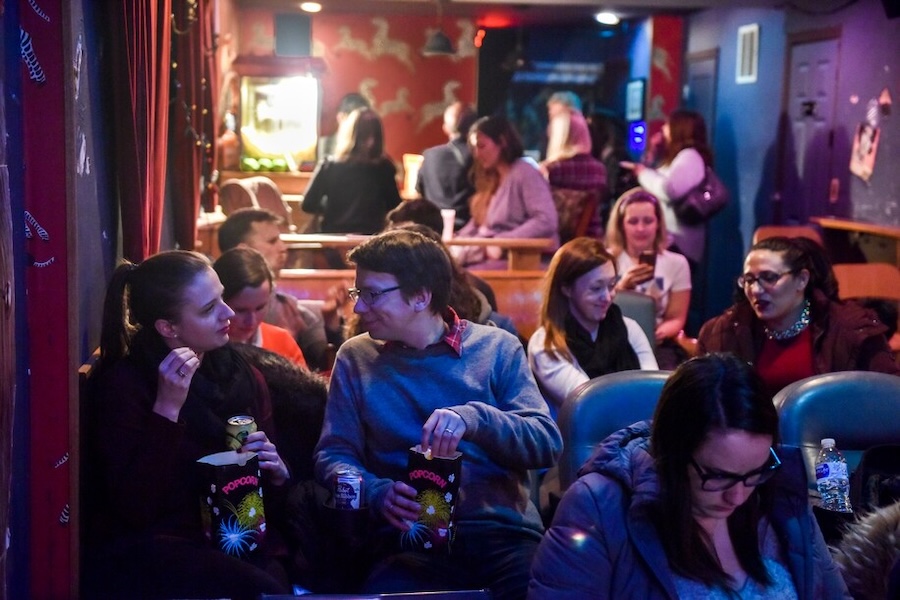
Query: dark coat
(846, 336)
(444, 178)
(352, 196)
(603, 542)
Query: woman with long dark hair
(166, 383)
(512, 198)
(702, 503)
(683, 167)
(355, 191)
(582, 334)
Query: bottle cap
(828, 442)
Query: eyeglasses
(369, 296)
(766, 279)
(717, 482)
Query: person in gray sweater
(423, 376)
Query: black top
(352, 197)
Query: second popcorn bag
(436, 481)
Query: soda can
(348, 489)
(237, 429)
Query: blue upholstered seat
(858, 409)
(599, 407)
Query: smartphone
(647, 257)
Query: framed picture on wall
(634, 100)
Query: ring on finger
(448, 430)
(181, 373)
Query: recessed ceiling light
(312, 7)
(606, 18)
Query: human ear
(421, 300)
(166, 329)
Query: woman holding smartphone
(636, 235)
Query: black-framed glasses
(369, 296)
(766, 279)
(717, 482)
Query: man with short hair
(423, 376)
(444, 175)
(259, 228)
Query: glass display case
(270, 123)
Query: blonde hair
(615, 227)
(569, 135)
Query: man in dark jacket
(444, 175)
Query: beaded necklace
(794, 330)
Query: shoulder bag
(703, 202)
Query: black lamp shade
(438, 44)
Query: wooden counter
(850, 241)
(524, 254)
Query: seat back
(766, 231)
(602, 406)
(858, 409)
(641, 308)
(257, 192)
(868, 280)
(576, 210)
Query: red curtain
(193, 118)
(140, 57)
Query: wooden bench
(518, 292)
(524, 253)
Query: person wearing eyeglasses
(700, 502)
(423, 376)
(582, 334)
(788, 322)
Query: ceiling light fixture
(310, 7)
(438, 44)
(606, 18)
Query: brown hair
(360, 137)
(687, 129)
(241, 268)
(571, 261)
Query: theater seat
(602, 406)
(858, 409)
(641, 308)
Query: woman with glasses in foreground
(788, 322)
(582, 334)
(701, 503)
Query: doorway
(808, 137)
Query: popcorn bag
(232, 502)
(436, 480)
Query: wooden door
(809, 135)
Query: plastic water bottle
(832, 479)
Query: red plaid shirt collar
(452, 335)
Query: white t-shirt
(672, 274)
(557, 376)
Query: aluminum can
(348, 489)
(237, 429)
